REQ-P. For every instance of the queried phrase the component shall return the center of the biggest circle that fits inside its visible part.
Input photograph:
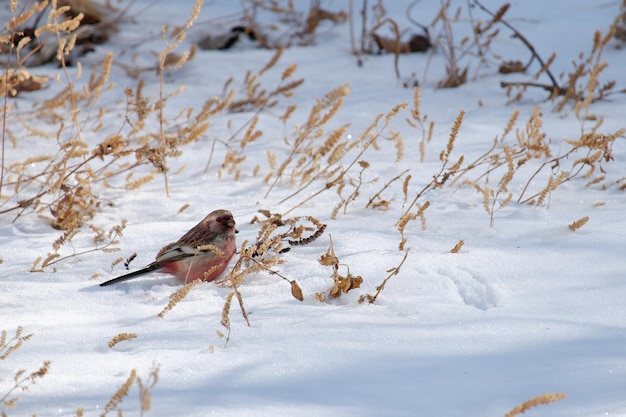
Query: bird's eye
(219, 220)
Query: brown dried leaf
(296, 291)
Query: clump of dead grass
(69, 187)
(579, 85)
(531, 157)
(257, 99)
(345, 155)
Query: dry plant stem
(7, 347)
(342, 172)
(442, 176)
(261, 102)
(121, 337)
(396, 32)
(549, 88)
(357, 52)
(244, 313)
(478, 161)
(44, 190)
(4, 116)
(578, 223)
(555, 86)
(377, 195)
(271, 272)
(226, 318)
(371, 299)
(331, 104)
(112, 241)
(569, 175)
(178, 295)
(22, 382)
(180, 36)
(542, 399)
(145, 397)
(415, 22)
(363, 25)
(120, 393)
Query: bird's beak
(231, 222)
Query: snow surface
(526, 307)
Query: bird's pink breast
(204, 267)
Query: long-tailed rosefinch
(202, 253)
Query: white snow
(526, 307)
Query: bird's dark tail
(152, 267)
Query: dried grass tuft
(144, 392)
(542, 399)
(178, 295)
(7, 347)
(121, 337)
(120, 393)
(578, 223)
(458, 246)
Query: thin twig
(555, 84)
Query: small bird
(202, 253)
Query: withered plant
(342, 284)
(619, 25)
(276, 236)
(144, 388)
(68, 188)
(256, 99)
(532, 154)
(463, 52)
(345, 154)
(578, 223)
(120, 337)
(392, 272)
(39, 30)
(288, 25)
(374, 41)
(578, 84)
(415, 209)
(22, 380)
(542, 399)
(455, 74)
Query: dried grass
(342, 284)
(578, 223)
(22, 380)
(66, 187)
(584, 158)
(144, 392)
(542, 399)
(121, 337)
(371, 299)
(178, 295)
(458, 246)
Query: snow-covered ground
(526, 307)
